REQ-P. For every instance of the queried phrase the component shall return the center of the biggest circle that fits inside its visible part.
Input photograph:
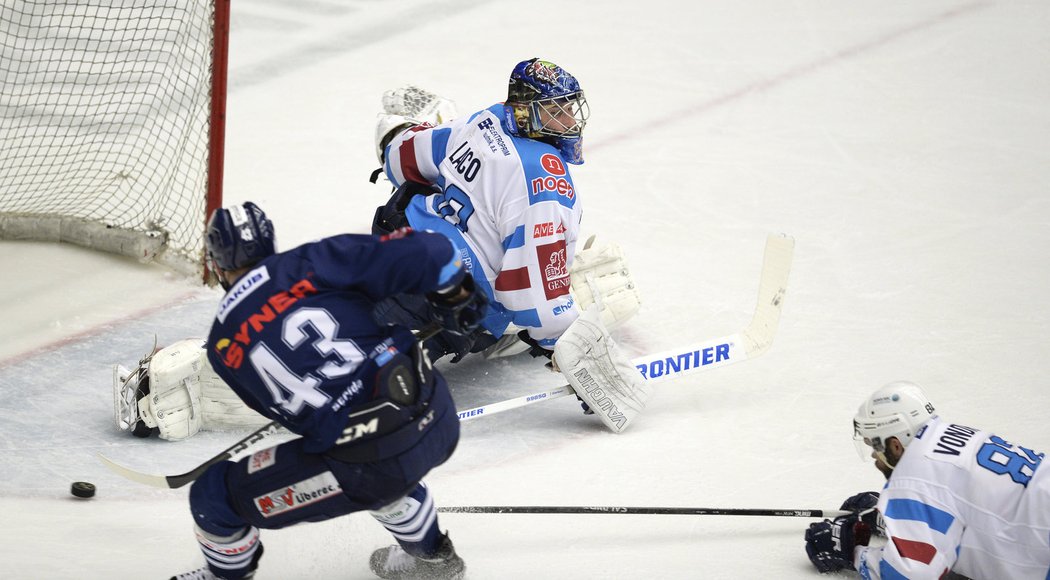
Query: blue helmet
(238, 236)
(545, 102)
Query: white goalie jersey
(175, 393)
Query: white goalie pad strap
(222, 408)
(599, 373)
(174, 402)
(599, 275)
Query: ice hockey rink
(904, 145)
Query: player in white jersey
(497, 183)
(958, 501)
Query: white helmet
(896, 410)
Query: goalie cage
(112, 125)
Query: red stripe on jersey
(517, 279)
(912, 550)
(409, 167)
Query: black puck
(82, 489)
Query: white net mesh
(104, 114)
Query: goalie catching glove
(175, 393)
(407, 107)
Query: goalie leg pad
(599, 373)
(175, 393)
(221, 408)
(174, 402)
(599, 275)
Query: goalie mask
(544, 102)
(898, 410)
(238, 236)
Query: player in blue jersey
(959, 502)
(497, 183)
(295, 339)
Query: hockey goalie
(174, 393)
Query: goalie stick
(746, 344)
(749, 343)
(684, 511)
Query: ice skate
(205, 573)
(394, 563)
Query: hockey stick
(177, 481)
(748, 343)
(265, 432)
(688, 511)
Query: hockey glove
(863, 504)
(830, 543)
(461, 308)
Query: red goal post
(112, 124)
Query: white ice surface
(905, 146)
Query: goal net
(111, 124)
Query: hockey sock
(413, 522)
(231, 557)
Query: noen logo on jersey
(297, 495)
(558, 185)
(232, 351)
(557, 182)
(552, 164)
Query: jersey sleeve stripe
(530, 317)
(516, 239)
(913, 550)
(909, 509)
(887, 572)
(407, 158)
(516, 279)
(438, 149)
